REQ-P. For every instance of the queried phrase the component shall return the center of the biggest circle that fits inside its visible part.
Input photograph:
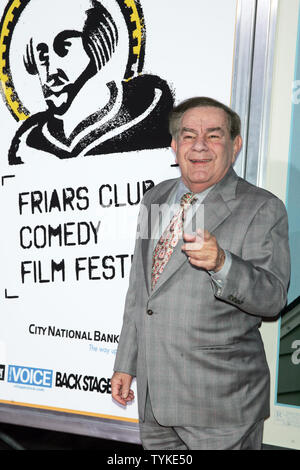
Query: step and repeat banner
(86, 90)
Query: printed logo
(87, 383)
(30, 376)
(72, 74)
(2, 372)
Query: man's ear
(174, 147)
(237, 145)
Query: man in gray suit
(191, 337)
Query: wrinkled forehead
(205, 117)
(49, 18)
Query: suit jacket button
(150, 312)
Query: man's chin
(58, 104)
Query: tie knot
(186, 199)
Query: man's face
(61, 61)
(204, 149)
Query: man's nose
(54, 71)
(200, 144)
(56, 75)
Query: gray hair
(234, 121)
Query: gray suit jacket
(198, 347)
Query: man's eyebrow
(215, 129)
(208, 129)
(188, 129)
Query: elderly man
(194, 307)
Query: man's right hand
(120, 388)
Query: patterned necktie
(169, 239)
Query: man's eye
(213, 136)
(187, 137)
(62, 48)
(43, 55)
(67, 45)
(43, 58)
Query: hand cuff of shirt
(220, 277)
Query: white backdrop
(42, 364)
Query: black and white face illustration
(66, 52)
(75, 72)
(60, 64)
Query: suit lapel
(147, 243)
(216, 210)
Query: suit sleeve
(126, 358)
(257, 281)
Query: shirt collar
(182, 189)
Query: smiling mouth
(200, 162)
